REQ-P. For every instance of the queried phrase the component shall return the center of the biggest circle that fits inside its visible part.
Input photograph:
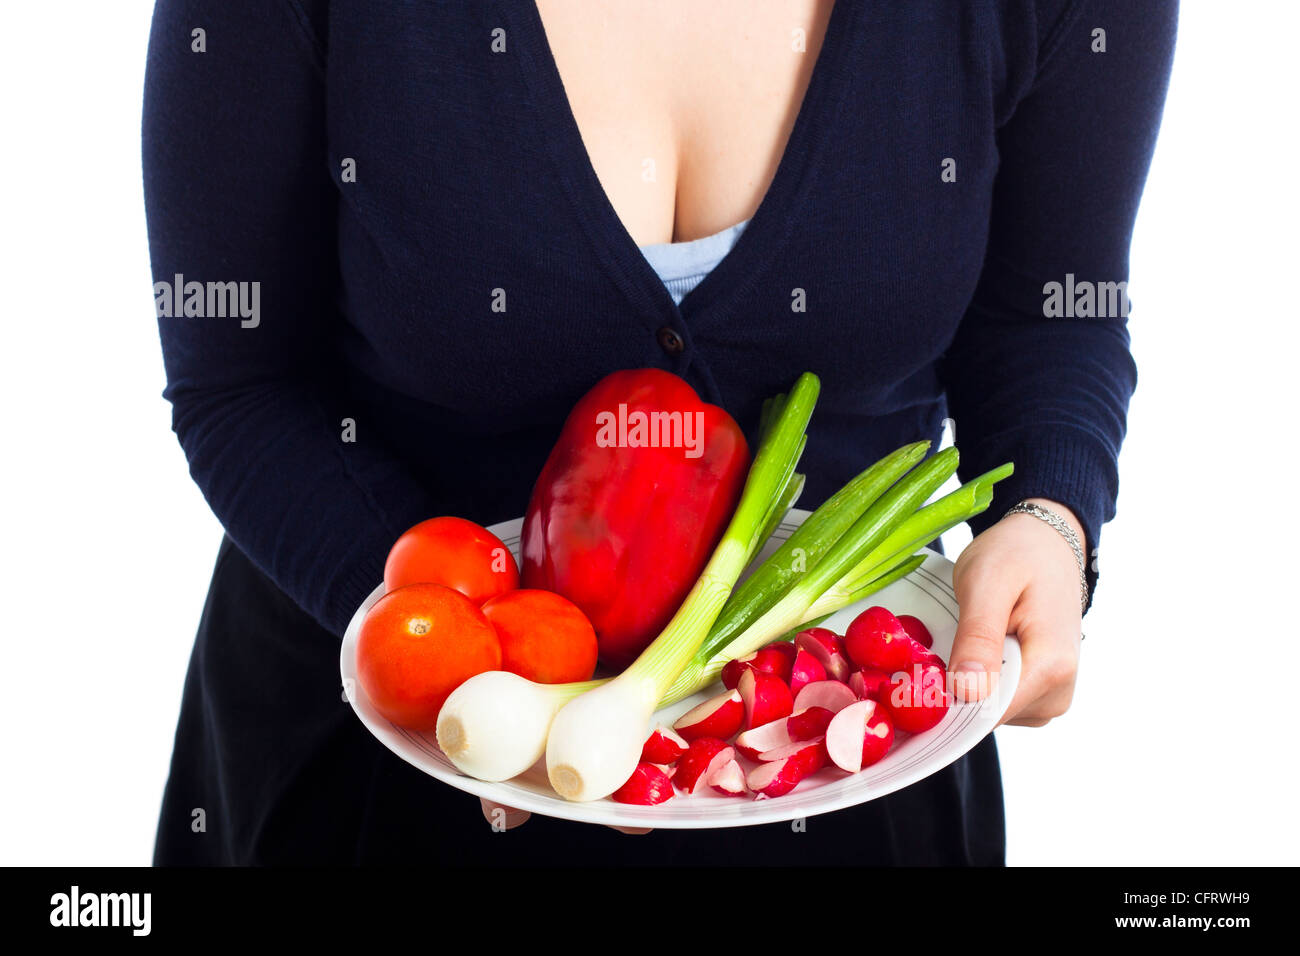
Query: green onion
(809, 543)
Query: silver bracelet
(1063, 528)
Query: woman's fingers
(1049, 663)
(986, 601)
(502, 817)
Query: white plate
(926, 593)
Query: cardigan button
(670, 341)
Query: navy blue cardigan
(455, 296)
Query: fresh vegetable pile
(796, 695)
(791, 709)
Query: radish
(706, 756)
(769, 736)
(728, 780)
(808, 723)
(916, 630)
(775, 659)
(719, 716)
(859, 735)
(917, 653)
(780, 753)
(663, 746)
(825, 645)
(877, 639)
(869, 683)
(830, 694)
(781, 776)
(767, 698)
(806, 670)
(647, 786)
(918, 700)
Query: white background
(1179, 748)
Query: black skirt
(270, 766)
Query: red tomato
(544, 636)
(417, 645)
(455, 553)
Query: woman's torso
(487, 281)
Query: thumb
(985, 603)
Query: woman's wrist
(1067, 528)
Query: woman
(444, 206)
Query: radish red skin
(917, 700)
(720, 716)
(767, 698)
(877, 639)
(870, 683)
(774, 659)
(828, 647)
(647, 786)
(809, 723)
(859, 736)
(807, 669)
(779, 778)
(663, 746)
(918, 653)
(695, 763)
(916, 630)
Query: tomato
(455, 553)
(544, 636)
(418, 644)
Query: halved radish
(647, 786)
(780, 753)
(775, 659)
(916, 630)
(719, 716)
(806, 670)
(766, 698)
(825, 645)
(663, 746)
(869, 683)
(808, 723)
(830, 694)
(728, 780)
(779, 777)
(859, 735)
(705, 756)
(769, 736)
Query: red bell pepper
(630, 504)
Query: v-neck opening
(605, 228)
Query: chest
(684, 108)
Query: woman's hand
(1019, 577)
(507, 818)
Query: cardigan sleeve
(1040, 372)
(239, 188)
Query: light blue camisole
(683, 265)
